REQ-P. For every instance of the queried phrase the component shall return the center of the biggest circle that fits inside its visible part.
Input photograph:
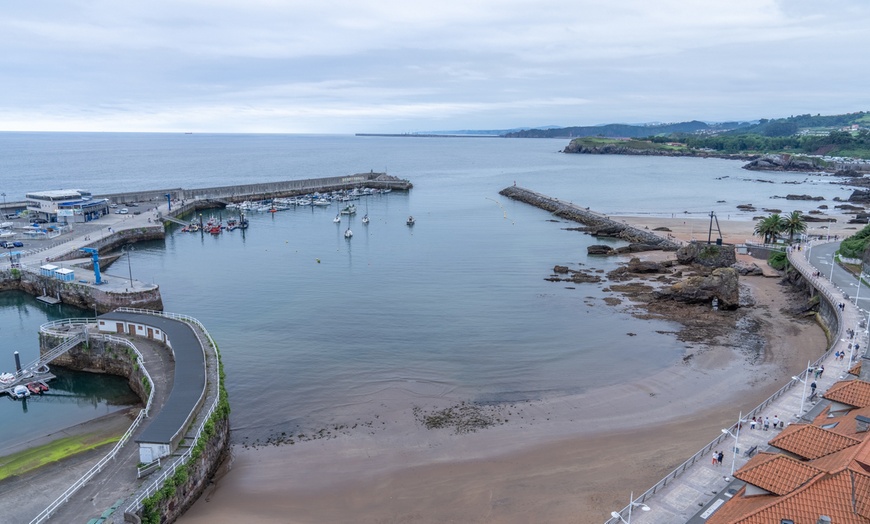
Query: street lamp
(129, 267)
(4, 202)
(736, 438)
(804, 394)
(631, 504)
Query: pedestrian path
(693, 491)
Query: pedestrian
(775, 421)
(842, 355)
(715, 458)
(766, 423)
(720, 457)
(753, 423)
(813, 388)
(821, 371)
(856, 348)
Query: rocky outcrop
(785, 162)
(748, 269)
(709, 255)
(578, 147)
(721, 284)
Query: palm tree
(794, 223)
(769, 227)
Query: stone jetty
(597, 223)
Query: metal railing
(673, 475)
(65, 496)
(157, 483)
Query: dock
(48, 300)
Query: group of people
(717, 458)
(766, 422)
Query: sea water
(310, 324)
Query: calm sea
(310, 324)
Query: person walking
(813, 388)
(766, 423)
(715, 458)
(720, 457)
(821, 371)
(775, 421)
(753, 423)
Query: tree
(769, 227)
(793, 223)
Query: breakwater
(260, 191)
(597, 223)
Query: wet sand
(568, 459)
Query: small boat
(42, 386)
(20, 391)
(365, 219)
(348, 233)
(349, 210)
(34, 388)
(6, 379)
(337, 218)
(410, 221)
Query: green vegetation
(32, 458)
(855, 245)
(770, 227)
(831, 135)
(793, 223)
(777, 260)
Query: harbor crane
(95, 258)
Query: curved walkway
(698, 483)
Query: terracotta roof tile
(811, 442)
(856, 369)
(777, 473)
(829, 495)
(852, 392)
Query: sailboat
(410, 221)
(348, 233)
(337, 218)
(365, 219)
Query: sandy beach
(566, 459)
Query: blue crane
(95, 257)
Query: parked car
(40, 221)
(18, 243)
(123, 211)
(7, 243)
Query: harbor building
(66, 205)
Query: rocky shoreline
(614, 149)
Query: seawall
(587, 217)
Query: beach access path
(26, 496)
(696, 490)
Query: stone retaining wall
(587, 217)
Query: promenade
(693, 491)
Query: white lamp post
(736, 438)
(804, 394)
(833, 263)
(129, 266)
(631, 504)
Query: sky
(401, 66)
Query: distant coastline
(422, 135)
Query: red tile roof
(811, 442)
(852, 392)
(777, 473)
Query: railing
(157, 483)
(65, 496)
(715, 442)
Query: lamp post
(631, 504)
(129, 266)
(804, 394)
(736, 439)
(4, 202)
(833, 263)
(857, 293)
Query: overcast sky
(323, 66)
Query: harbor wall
(238, 193)
(587, 217)
(100, 356)
(118, 238)
(84, 296)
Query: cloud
(344, 66)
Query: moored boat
(410, 221)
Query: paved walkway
(695, 494)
